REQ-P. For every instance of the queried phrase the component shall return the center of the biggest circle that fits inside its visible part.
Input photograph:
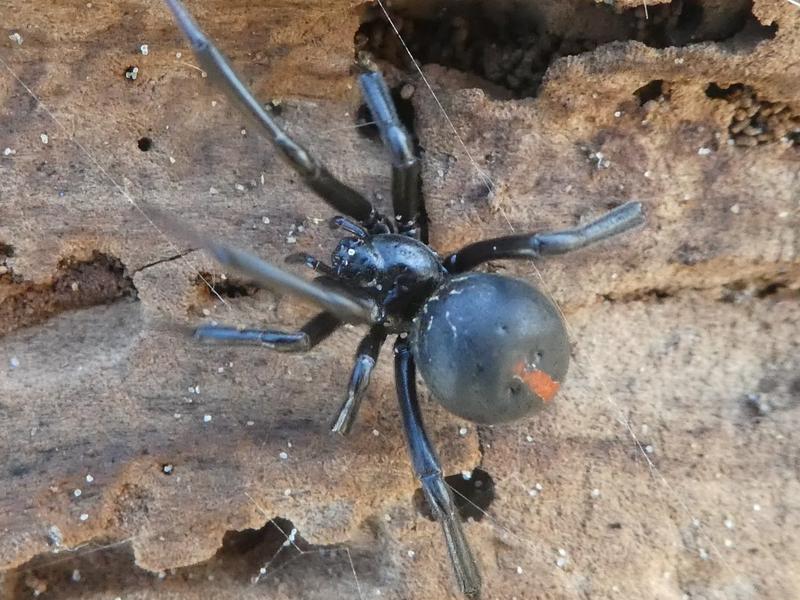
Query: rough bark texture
(135, 463)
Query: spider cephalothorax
(491, 348)
(397, 271)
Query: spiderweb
(616, 432)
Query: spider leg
(405, 167)
(348, 307)
(301, 258)
(549, 243)
(428, 470)
(311, 334)
(340, 222)
(366, 357)
(338, 195)
(326, 293)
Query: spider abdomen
(490, 348)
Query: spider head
(356, 259)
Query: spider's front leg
(335, 299)
(316, 265)
(346, 304)
(340, 196)
(429, 471)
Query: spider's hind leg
(547, 243)
(311, 334)
(429, 471)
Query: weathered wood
(674, 326)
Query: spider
(491, 348)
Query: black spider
(490, 348)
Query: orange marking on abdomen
(539, 382)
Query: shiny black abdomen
(491, 348)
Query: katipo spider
(490, 348)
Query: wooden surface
(674, 327)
